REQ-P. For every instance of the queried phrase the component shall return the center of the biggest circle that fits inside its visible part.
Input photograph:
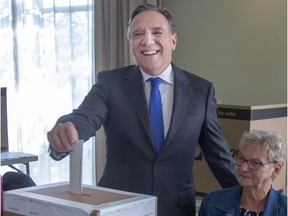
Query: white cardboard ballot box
(55, 199)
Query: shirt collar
(166, 75)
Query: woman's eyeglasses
(252, 164)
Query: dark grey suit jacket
(117, 101)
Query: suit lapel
(133, 85)
(182, 93)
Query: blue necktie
(156, 116)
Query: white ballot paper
(76, 168)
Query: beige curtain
(111, 50)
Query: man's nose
(148, 39)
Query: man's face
(152, 42)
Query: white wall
(238, 45)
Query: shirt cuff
(57, 155)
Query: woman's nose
(245, 166)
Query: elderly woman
(260, 159)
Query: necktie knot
(155, 81)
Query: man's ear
(174, 40)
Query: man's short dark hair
(150, 7)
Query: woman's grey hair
(150, 7)
(269, 140)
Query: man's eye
(137, 34)
(158, 33)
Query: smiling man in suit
(138, 158)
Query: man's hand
(62, 137)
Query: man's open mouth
(152, 52)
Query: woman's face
(256, 179)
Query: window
(46, 63)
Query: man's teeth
(149, 52)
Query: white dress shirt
(166, 88)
